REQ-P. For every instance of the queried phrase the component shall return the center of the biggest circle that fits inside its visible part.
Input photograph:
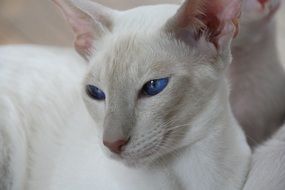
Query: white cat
(268, 165)
(155, 89)
(256, 74)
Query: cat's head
(153, 71)
(256, 20)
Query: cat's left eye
(95, 93)
(155, 87)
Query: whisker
(177, 127)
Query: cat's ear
(214, 20)
(255, 10)
(89, 21)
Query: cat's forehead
(132, 57)
(146, 18)
(139, 57)
(118, 54)
(138, 46)
(129, 56)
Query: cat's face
(156, 124)
(151, 80)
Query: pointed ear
(215, 20)
(89, 21)
(256, 10)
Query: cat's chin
(138, 163)
(152, 161)
(131, 162)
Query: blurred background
(39, 22)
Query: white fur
(64, 152)
(268, 165)
(256, 74)
(35, 96)
(63, 149)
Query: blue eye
(95, 93)
(154, 87)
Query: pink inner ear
(82, 26)
(210, 16)
(261, 5)
(221, 18)
(84, 44)
(79, 21)
(261, 8)
(262, 2)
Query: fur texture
(34, 105)
(184, 138)
(256, 74)
(268, 165)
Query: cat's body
(268, 165)
(180, 139)
(36, 102)
(61, 145)
(256, 74)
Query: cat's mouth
(148, 148)
(149, 153)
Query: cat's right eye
(95, 93)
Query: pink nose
(115, 147)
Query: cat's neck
(220, 159)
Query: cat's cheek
(95, 109)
